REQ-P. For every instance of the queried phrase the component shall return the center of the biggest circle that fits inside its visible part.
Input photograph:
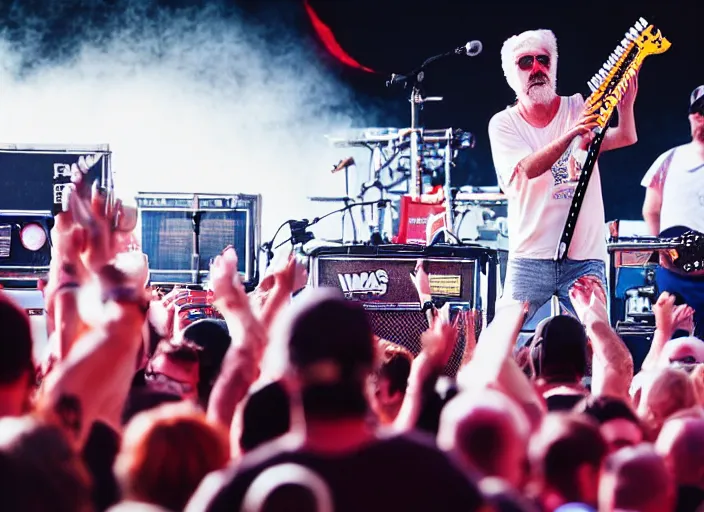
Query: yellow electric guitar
(608, 86)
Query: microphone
(471, 49)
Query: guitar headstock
(609, 84)
(652, 42)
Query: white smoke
(193, 102)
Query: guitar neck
(578, 198)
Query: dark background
(393, 36)
(396, 35)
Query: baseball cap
(562, 346)
(696, 100)
(330, 338)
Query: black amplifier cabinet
(379, 278)
(182, 233)
(637, 337)
(25, 249)
(32, 181)
(32, 177)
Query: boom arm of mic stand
(339, 210)
(413, 75)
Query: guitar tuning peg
(634, 33)
(643, 22)
(625, 43)
(639, 25)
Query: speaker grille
(383, 286)
(220, 229)
(168, 240)
(405, 328)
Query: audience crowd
(286, 400)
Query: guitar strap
(665, 167)
(578, 198)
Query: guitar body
(687, 257)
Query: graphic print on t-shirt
(565, 172)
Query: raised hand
(585, 124)
(670, 318)
(439, 340)
(589, 299)
(96, 217)
(225, 282)
(421, 280)
(629, 95)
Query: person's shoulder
(502, 121)
(437, 473)
(502, 116)
(575, 102)
(682, 149)
(416, 444)
(222, 488)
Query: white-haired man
(534, 156)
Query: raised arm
(93, 379)
(515, 159)
(651, 209)
(625, 133)
(240, 367)
(612, 363)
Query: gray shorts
(536, 281)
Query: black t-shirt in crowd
(405, 472)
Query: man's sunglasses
(526, 62)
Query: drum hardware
(417, 145)
(342, 165)
(481, 215)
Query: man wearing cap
(537, 145)
(674, 203)
(331, 355)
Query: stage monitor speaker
(183, 233)
(637, 338)
(379, 278)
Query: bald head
(566, 455)
(687, 349)
(636, 478)
(681, 444)
(664, 392)
(488, 431)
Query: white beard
(541, 94)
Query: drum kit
(392, 175)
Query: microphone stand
(416, 77)
(195, 257)
(301, 225)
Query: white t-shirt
(538, 207)
(681, 184)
